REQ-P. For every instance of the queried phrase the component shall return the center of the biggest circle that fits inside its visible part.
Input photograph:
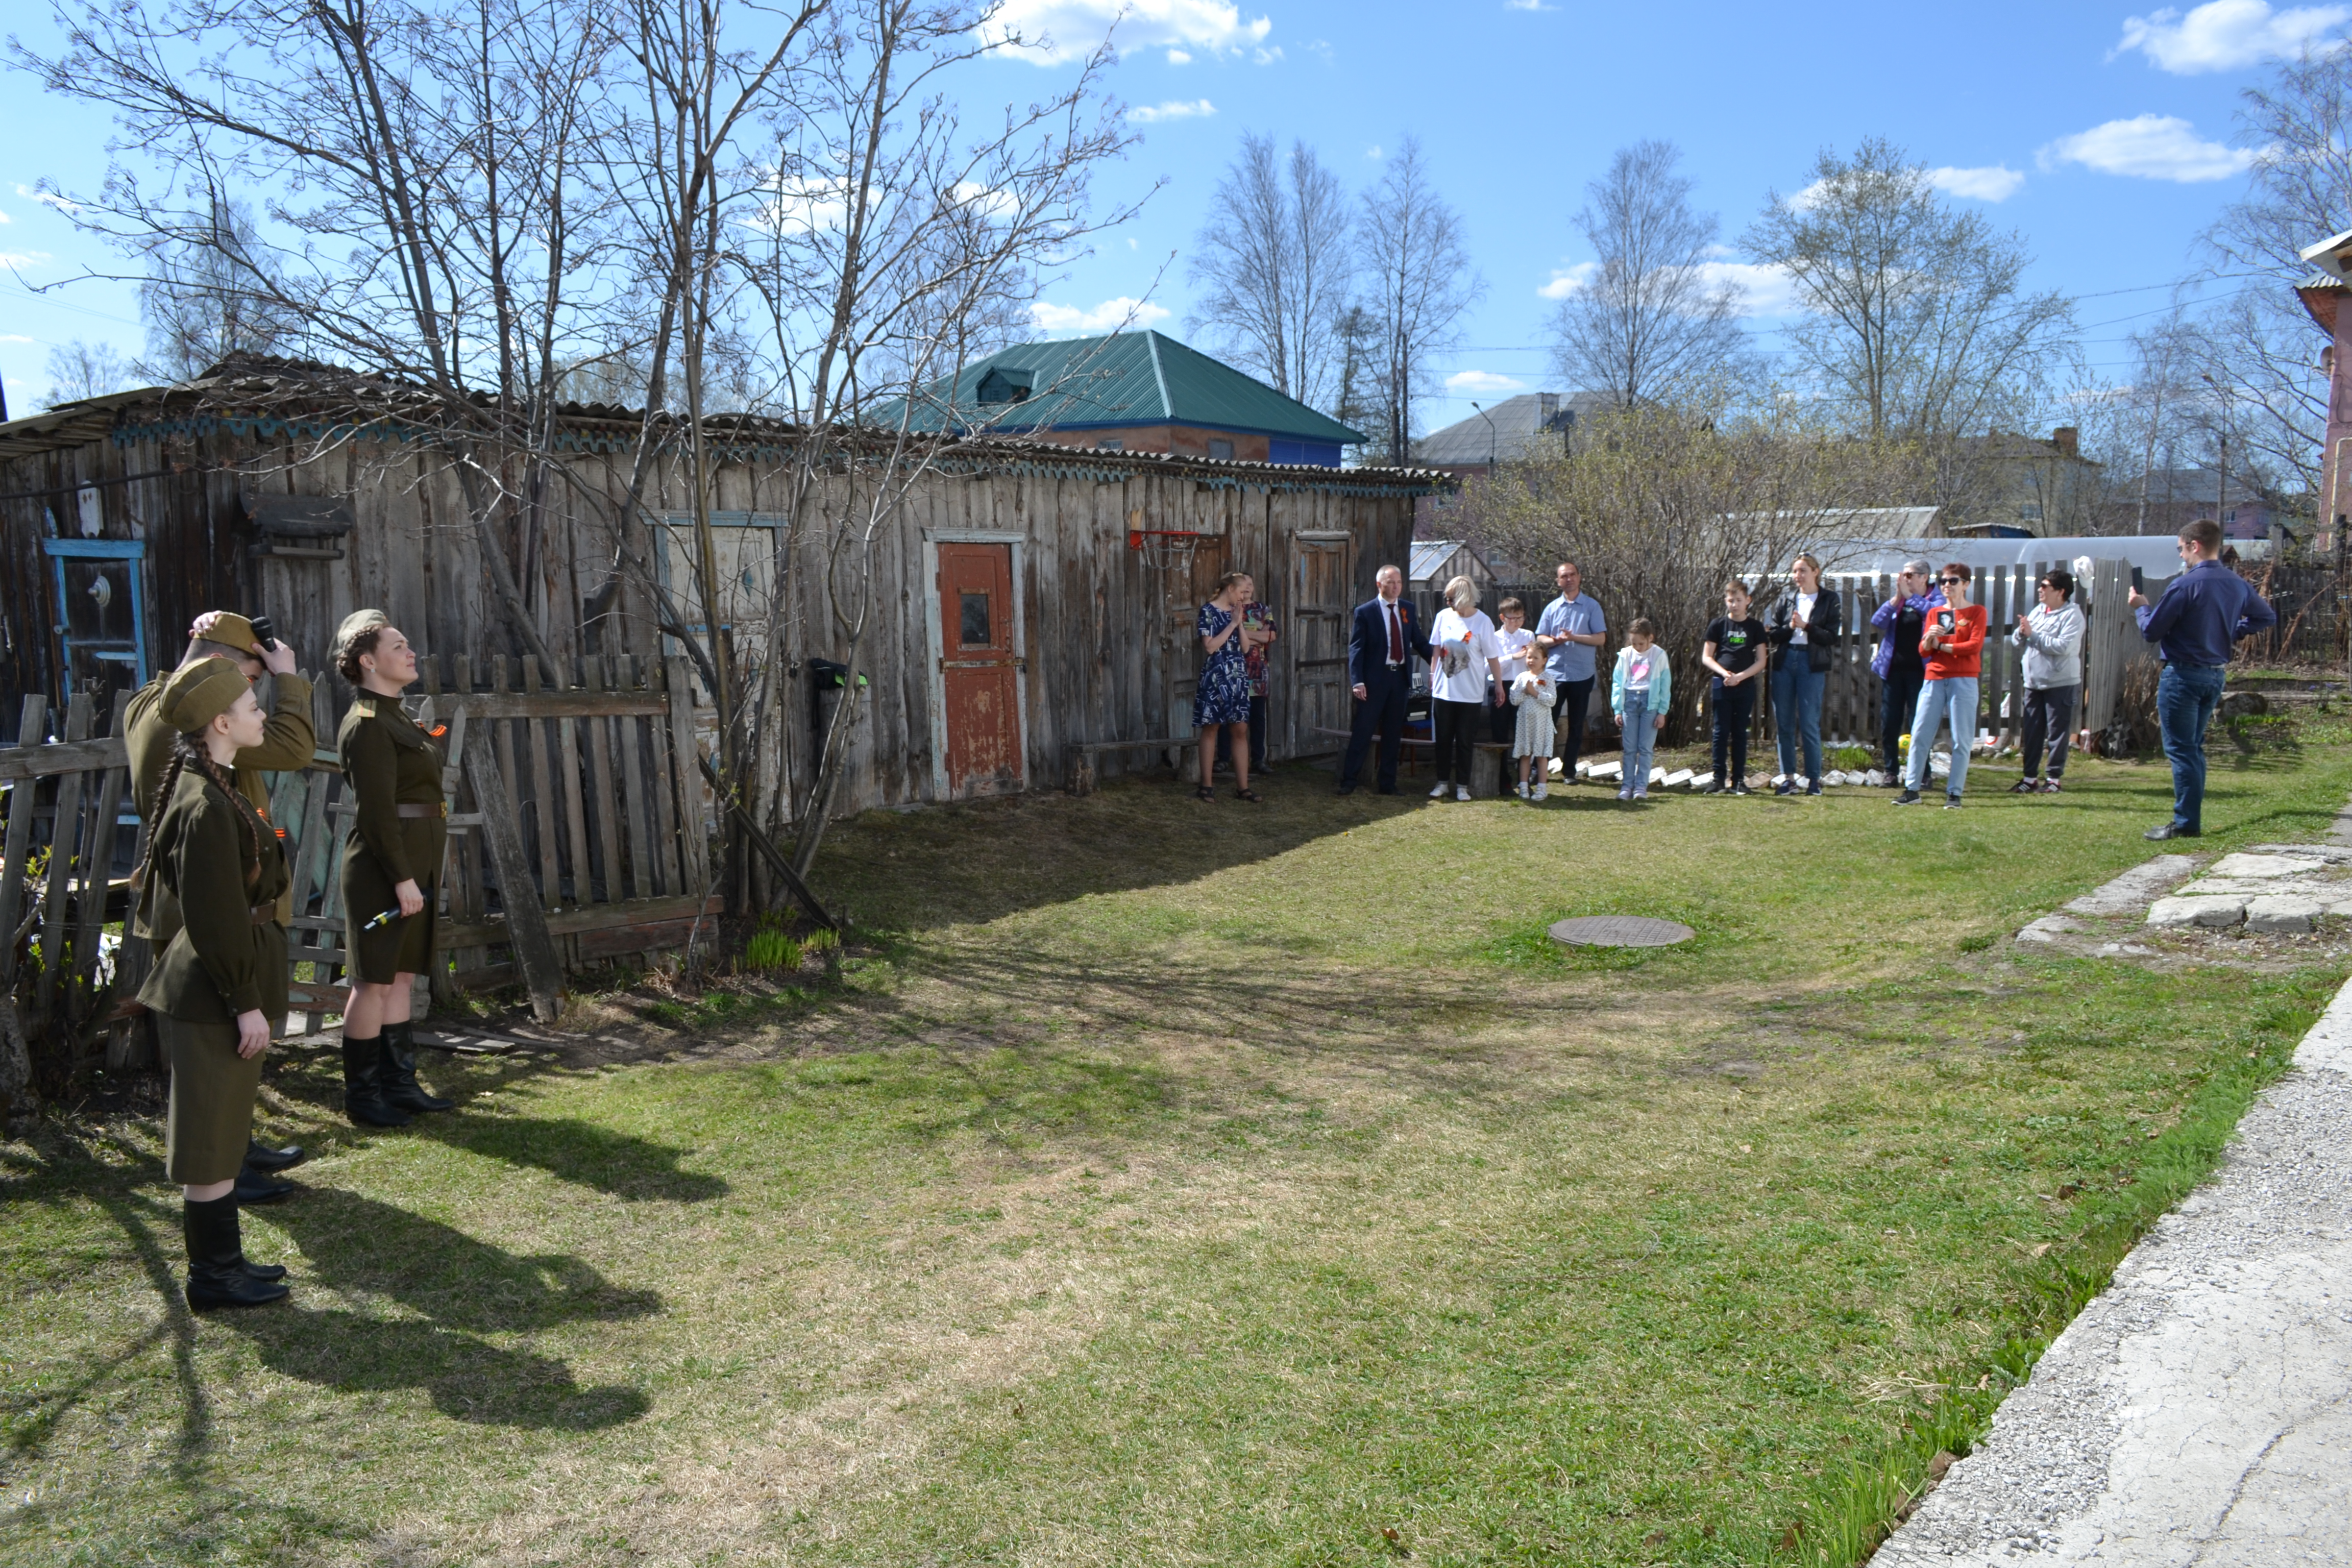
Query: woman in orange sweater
(1953, 647)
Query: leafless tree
(2145, 428)
(1418, 284)
(2298, 192)
(198, 305)
(1650, 321)
(433, 214)
(1273, 255)
(79, 370)
(1920, 324)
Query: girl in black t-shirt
(1734, 656)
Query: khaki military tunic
(222, 961)
(389, 762)
(287, 743)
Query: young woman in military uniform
(214, 872)
(391, 867)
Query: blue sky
(2102, 132)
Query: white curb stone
(2283, 912)
(2243, 865)
(2217, 913)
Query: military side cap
(231, 630)
(201, 692)
(355, 625)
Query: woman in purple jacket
(1901, 622)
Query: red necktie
(1396, 639)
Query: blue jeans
(1955, 696)
(1641, 738)
(1797, 712)
(2185, 696)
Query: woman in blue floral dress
(1221, 701)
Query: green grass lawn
(1177, 1184)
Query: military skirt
(212, 1095)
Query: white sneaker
(1537, 792)
(1439, 793)
(1523, 789)
(1461, 792)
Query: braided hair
(188, 750)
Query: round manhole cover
(1619, 930)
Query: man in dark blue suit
(1386, 639)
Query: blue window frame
(92, 635)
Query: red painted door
(978, 670)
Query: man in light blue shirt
(1569, 631)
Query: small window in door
(975, 632)
(1220, 447)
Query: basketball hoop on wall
(1171, 550)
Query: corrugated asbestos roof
(307, 400)
(1128, 378)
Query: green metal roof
(1128, 378)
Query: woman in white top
(1466, 675)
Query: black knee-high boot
(218, 1274)
(401, 1090)
(363, 1100)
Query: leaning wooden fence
(591, 798)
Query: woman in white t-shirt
(1466, 675)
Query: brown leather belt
(265, 914)
(407, 808)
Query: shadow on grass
(468, 1379)
(980, 860)
(627, 1167)
(360, 1244)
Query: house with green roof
(1130, 391)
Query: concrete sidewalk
(2200, 1410)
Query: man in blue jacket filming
(2204, 611)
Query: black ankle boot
(254, 1188)
(363, 1100)
(217, 1275)
(261, 1157)
(401, 1090)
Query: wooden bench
(1078, 767)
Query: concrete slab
(2199, 1412)
(2283, 912)
(2222, 912)
(2244, 888)
(2129, 893)
(2247, 865)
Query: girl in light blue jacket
(1640, 689)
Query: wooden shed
(1014, 620)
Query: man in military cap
(291, 739)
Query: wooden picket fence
(591, 798)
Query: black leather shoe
(363, 1100)
(260, 1156)
(401, 1090)
(254, 1188)
(218, 1274)
(1388, 789)
(2170, 830)
(1347, 789)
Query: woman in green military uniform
(391, 867)
(214, 872)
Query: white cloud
(6, 218)
(1482, 383)
(1179, 57)
(1373, 153)
(14, 258)
(1567, 280)
(2149, 147)
(2227, 34)
(1763, 290)
(1177, 109)
(1051, 32)
(16, 338)
(49, 199)
(1997, 184)
(1528, 5)
(1121, 314)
